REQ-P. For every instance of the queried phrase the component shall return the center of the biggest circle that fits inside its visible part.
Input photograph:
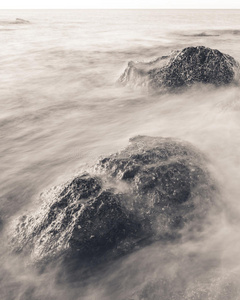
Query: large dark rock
(183, 68)
(155, 189)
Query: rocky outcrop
(182, 69)
(155, 189)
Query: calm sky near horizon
(118, 4)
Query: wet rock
(182, 69)
(155, 189)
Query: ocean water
(61, 109)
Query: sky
(118, 4)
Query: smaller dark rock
(182, 69)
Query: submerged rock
(182, 69)
(21, 21)
(155, 189)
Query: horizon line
(10, 8)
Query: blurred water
(60, 108)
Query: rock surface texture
(155, 189)
(182, 69)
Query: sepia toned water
(60, 108)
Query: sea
(61, 108)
